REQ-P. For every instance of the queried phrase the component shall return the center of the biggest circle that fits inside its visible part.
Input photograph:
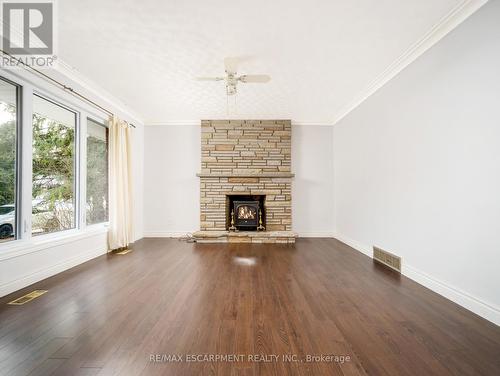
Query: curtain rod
(63, 86)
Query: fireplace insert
(246, 213)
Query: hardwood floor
(111, 315)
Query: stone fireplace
(246, 178)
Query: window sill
(38, 243)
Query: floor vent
(387, 258)
(124, 252)
(28, 297)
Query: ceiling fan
(232, 79)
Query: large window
(8, 160)
(97, 172)
(68, 185)
(53, 206)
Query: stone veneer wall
(246, 157)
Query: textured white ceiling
(320, 54)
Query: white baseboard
(473, 304)
(37, 276)
(315, 234)
(178, 234)
(483, 309)
(166, 234)
(354, 244)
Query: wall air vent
(28, 297)
(387, 258)
(123, 252)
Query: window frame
(18, 163)
(104, 123)
(28, 85)
(76, 165)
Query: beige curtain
(120, 185)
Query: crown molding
(450, 21)
(172, 122)
(94, 89)
(198, 122)
(313, 123)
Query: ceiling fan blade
(255, 78)
(231, 64)
(209, 78)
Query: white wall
(417, 167)
(312, 162)
(172, 159)
(138, 179)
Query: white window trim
(83, 183)
(22, 247)
(76, 164)
(26, 161)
